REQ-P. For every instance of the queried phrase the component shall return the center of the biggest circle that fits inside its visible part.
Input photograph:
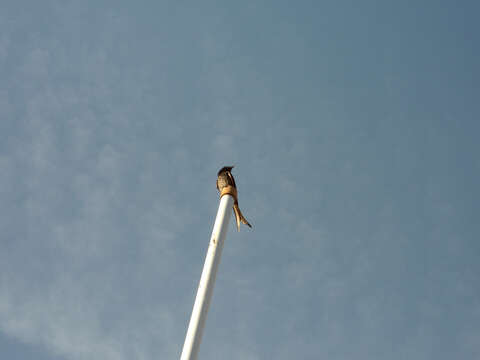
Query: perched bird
(225, 179)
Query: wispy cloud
(113, 123)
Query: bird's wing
(230, 176)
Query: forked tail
(239, 216)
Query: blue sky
(353, 128)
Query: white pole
(207, 281)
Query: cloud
(86, 245)
(114, 122)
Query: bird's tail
(239, 216)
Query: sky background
(353, 129)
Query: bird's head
(225, 168)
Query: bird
(225, 179)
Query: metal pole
(207, 280)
